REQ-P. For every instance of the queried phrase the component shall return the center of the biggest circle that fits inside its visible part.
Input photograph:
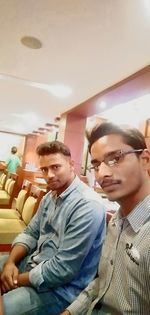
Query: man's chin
(52, 187)
(112, 196)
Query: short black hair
(47, 148)
(130, 136)
(14, 150)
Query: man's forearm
(17, 253)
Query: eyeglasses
(113, 158)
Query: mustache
(108, 182)
(51, 181)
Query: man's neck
(130, 202)
(62, 189)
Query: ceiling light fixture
(38, 132)
(31, 42)
(57, 119)
(60, 90)
(103, 105)
(51, 125)
(57, 90)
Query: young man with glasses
(121, 160)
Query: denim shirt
(64, 240)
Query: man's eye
(44, 170)
(56, 167)
(95, 167)
(114, 160)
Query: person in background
(121, 160)
(13, 161)
(57, 255)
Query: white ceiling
(88, 45)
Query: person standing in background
(13, 161)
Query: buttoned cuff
(35, 276)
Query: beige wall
(7, 141)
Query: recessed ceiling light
(58, 90)
(103, 105)
(31, 42)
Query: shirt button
(111, 262)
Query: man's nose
(103, 171)
(50, 173)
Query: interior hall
(65, 66)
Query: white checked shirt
(123, 286)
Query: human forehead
(52, 159)
(107, 144)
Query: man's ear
(72, 164)
(146, 158)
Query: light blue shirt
(12, 163)
(65, 238)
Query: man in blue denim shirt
(58, 253)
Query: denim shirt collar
(72, 186)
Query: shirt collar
(75, 183)
(137, 217)
(140, 214)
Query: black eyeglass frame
(113, 158)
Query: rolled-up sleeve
(35, 276)
(27, 240)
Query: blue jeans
(27, 301)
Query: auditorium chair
(10, 228)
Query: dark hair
(130, 136)
(53, 147)
(14, 150)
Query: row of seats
(3, 177)
(8, 189)
(14, 220)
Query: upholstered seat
(8, 193)
(2, 180)
(10, 228)
(9, 213)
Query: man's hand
(9, 277)
(66, 312)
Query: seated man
(121, 160)
(57, 255)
